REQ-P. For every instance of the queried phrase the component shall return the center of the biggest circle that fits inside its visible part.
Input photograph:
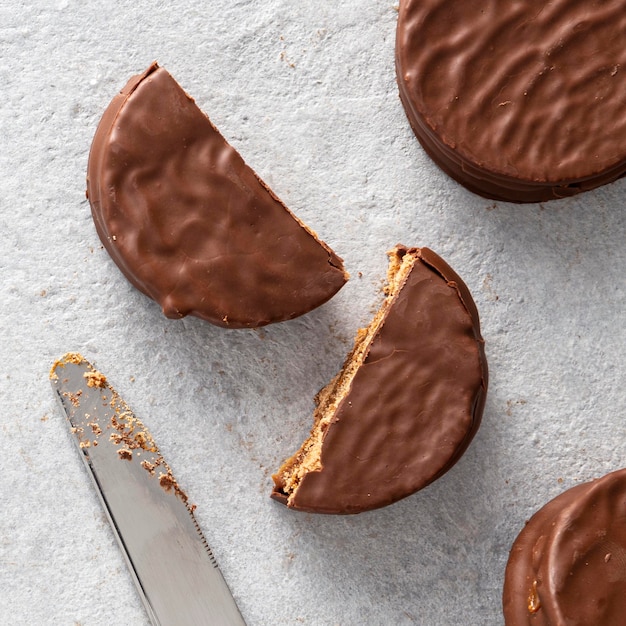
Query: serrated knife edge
(171, 563)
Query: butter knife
(169, 559)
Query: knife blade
(170, 562)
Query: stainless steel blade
(168, 557)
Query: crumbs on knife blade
(123, 428)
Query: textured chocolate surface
(190, 224)
(520, 101)
(415, 403)
(568, 565)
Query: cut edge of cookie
(308, 458)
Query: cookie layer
(190, 224)
(518, 101)
(407, 402)
(568, 565)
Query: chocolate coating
(190, 224)
(518, 101)
(415, 402)
(568, 565)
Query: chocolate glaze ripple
(519, 101)
(568, 565)
(190, 224)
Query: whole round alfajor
(518, 101)
(568, 565)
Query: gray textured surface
(306, 92)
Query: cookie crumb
(95, 379)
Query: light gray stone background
(306, 92)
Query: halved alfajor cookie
(190, 224)
(519, 101)
(568, 565)
(407, 402)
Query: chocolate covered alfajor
(407, 402)
(568, 565)
(518, 101)
(190, 224)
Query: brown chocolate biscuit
(568, 565)
(407, 402)
(518, 101)
(190, 224)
